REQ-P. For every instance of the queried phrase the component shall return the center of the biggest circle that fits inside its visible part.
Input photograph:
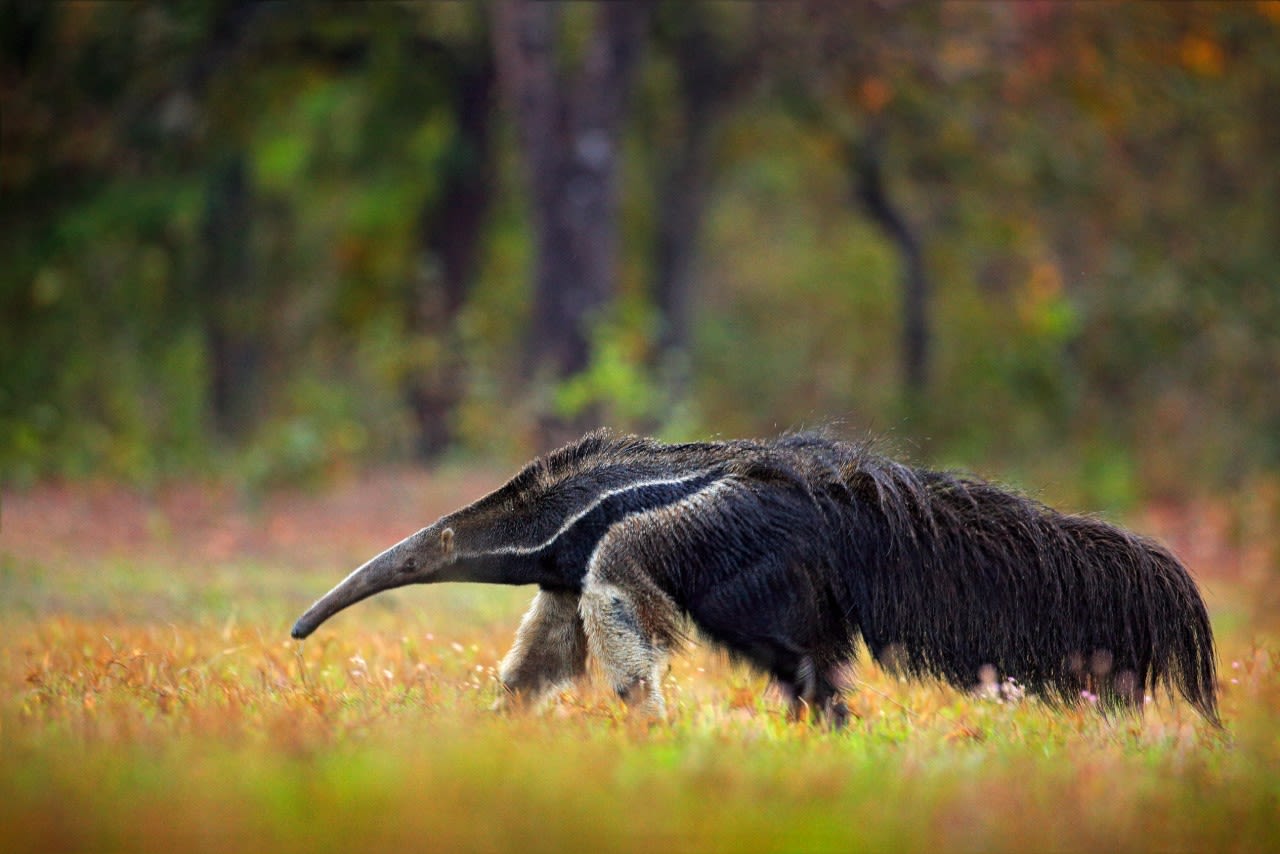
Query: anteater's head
(524, 515)
(514, 518)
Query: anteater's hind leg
(630, 626)
(812, 690)
(550, 650)
(814, 694)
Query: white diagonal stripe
(577, 517)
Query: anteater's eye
(409, 565)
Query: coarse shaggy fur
(786, 552)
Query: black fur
(786, 552)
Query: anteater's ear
(446, 540)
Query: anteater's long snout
(302, 628)
(307, 623)
(381, 573)
(351, 590)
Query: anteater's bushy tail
(953, 577)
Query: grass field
(151, 699)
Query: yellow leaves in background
(874, 93)
(1203, 55)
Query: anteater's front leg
(632, 660)
(550, 650)
(631, 627)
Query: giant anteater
(786, 552)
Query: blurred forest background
(277, 241)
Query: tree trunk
(568, 126)
(871, 191)
(232, 331)
(708, 82)
(451, 230)
(229, 305)
(681, 202)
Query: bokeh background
(281, 282)
(276, 242)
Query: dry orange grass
(150, 699)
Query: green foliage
(97, 365)
(1095, 192)
(620, 385)
(800, 326)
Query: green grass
(158, 704)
